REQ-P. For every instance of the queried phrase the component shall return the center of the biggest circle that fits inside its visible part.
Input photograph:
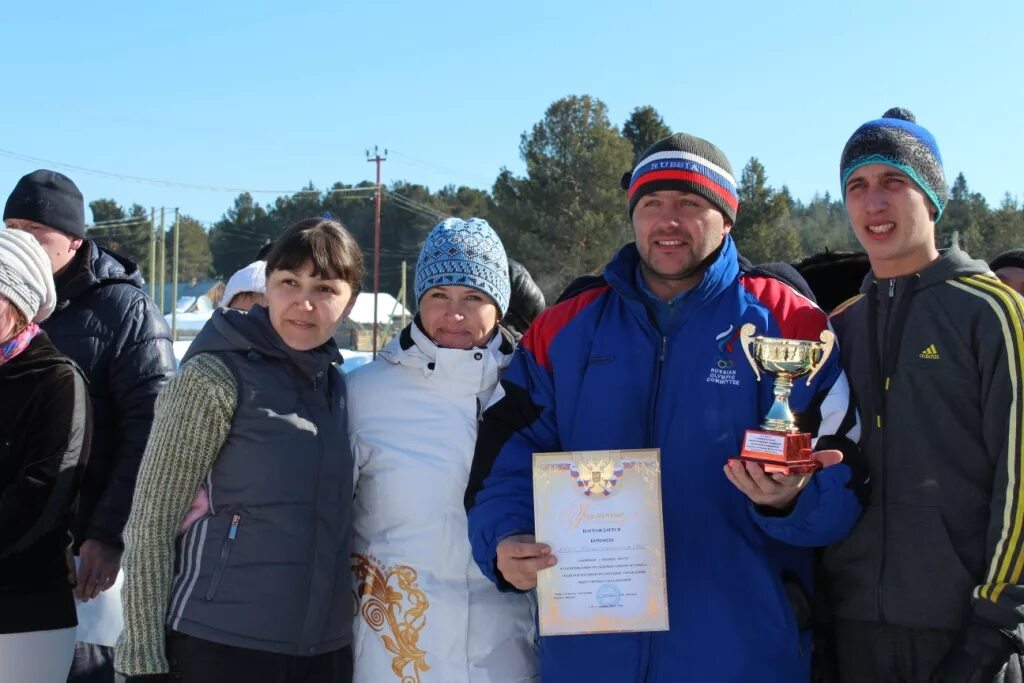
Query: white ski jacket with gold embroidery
(425, 612)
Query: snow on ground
(180, 347)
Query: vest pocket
(225, 552)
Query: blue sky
(271, 96)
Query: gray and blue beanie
(898, 141)
(465, 253)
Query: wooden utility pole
(377, 159)
(162, 243)
(404, 294)
(152, 253)
(174, 278)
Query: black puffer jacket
(106, 323)
(526, 301)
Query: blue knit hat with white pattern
(897, 140)
(465, 253)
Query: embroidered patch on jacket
(393, 606)
(930, 353)
(723, 371)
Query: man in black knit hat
(928, 586)
(105, 323)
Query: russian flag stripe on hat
(726, 177)
(687, 166)
(689, 176)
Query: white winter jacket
(425, 613)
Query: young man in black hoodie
(105, 323)
(928, 586)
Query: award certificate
(600, 511)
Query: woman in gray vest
(257, 589)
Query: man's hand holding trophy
(775, 461)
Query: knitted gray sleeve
(192, 420)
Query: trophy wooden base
(779, 452)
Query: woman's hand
(199, 508)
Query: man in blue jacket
(648, 356)
(105, 323)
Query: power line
(421, 162)
(405, 202)
(112, 237)
(251, 236)
(417, 208)
(368, 190)
(117, 225)
(417, 204)
(419, 214)
(114, 221)
(416, 212)
(168, 183)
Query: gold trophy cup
(778, 445)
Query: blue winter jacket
(594, 372)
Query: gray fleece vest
(269, 568)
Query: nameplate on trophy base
(779, 453)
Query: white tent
(388, 309)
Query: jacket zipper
(648, 644)
(657, 391)
(225, 551)
(885, 460)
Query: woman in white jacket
(425, 613)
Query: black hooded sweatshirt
(935, 363)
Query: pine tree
(643, 128)
(567, 216)
(763, 230)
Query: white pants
(36, 656)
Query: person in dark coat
(44, 445)
(1009, 267)
(526, 302)
(105, 323)
(834, 276)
